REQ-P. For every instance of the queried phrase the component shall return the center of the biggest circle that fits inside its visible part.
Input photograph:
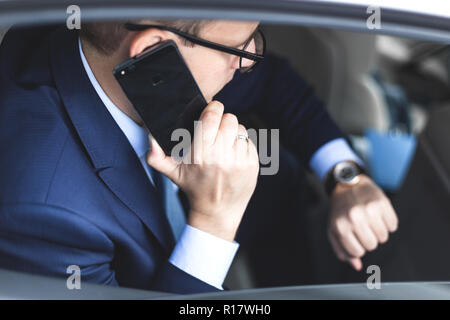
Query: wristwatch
(345, 172)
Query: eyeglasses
(249, 57)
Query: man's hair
(106, 37)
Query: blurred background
(391, 96)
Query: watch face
(346, 172)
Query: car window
(85, 201)
(435, 7)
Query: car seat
(423, 202)
(339, 65)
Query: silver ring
(243, 137)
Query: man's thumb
(158, 160)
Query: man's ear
(147, 38)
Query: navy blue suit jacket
(72, 190)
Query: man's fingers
(356, 263)
(228, 130)
(362, 229)
(211, 118)
(159, 161)
(372, 193)
(340, 253)
(241, 145)
(389, 216)
(361, 217)
(375, 212)
(348, 240)
(195, 154)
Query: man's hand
(361, 217)
(222, 175)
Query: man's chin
(208, 99)
(211, 97)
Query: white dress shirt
(199, 253)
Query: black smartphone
(163, 91)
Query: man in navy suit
(81, 183)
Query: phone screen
(163, 91)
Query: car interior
(391, 96)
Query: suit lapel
(111, 154)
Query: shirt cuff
(330, 154)
(204, 256)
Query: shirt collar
(136, 135)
